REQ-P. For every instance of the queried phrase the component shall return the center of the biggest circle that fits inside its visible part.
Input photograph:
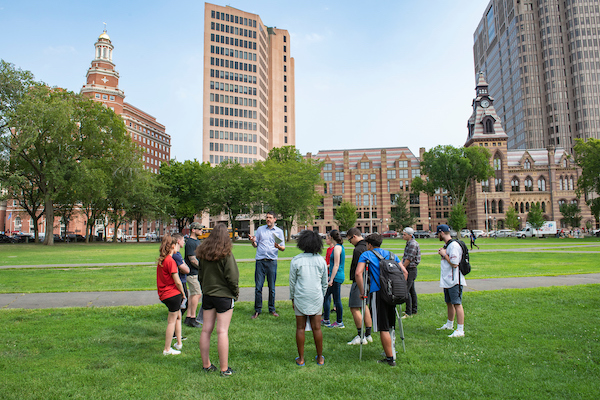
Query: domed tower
(102, 78)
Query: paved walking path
(149, 297)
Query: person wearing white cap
(410, 260)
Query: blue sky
(399, 74)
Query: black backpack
(464, 266)
(392, 285)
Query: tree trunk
(49, 239)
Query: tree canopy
(458, 218)
(512, 219)
(345, 215)
(587, 156)
(400, 214)
(453, 169)
(571, 214)
(535, 217)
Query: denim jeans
(411, 302)
(264, 268)
(337, 302)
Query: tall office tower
(248, 93)
(541, 61)
(102, 85)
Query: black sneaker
(387, 361)
(212, 368)
(192, 323)
(228, 372)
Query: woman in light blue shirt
(308, 284)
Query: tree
(535, 217)
(188, 183)
(587, 156)
(146, 199)
(400, 214)
(512, 219)
(571, 214)
(458, 217)
(288, 185)
(595, 209)
(345, 215)
(453, 169)
(230, 190)
(14, 84)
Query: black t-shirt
(360, 248)
(190, 250)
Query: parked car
(72, 237)
(503, 233)
(23, 238)
(390, 234)
(422, 235)
(465, 233)
(343, 234)
(478, 233)
(6, 239)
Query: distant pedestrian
(170, 292)
(308, 284)
(336, 277)
(473, 238)
(219, 277)
(452, 280)
(269, 241)
(410, 260)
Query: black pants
(411, 302)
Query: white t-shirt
(448, 275)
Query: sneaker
(255, 315)
(228, 372)
(325, 322)
(336, 325)
(445, 326)
(171, 351)
(387, 361)
(212, 368)
(457, 333)
(200, 321)
(191, 322)
(182, 338)
(178, 346)
(356, 341)
(369, 339)
(405, 316)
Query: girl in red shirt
(170, 292)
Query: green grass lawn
(484, 265)
(530, 343)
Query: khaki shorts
(193, 285)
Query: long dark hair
(216, 246)
(166, 245)
(335, 235)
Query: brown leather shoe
(255, 315)
(274, 314)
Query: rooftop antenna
(104, 26)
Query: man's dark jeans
(411, 302)
(264, 268)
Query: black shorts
(222, 304)
(173, 303)
(383, 314)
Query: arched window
(497, 163)
(18, 223)
(565, 163)
(528, 184)
(522, 210)
(500, 206)
(527, 207)
(527, 164)
(493, 206)
(517, 207)
(561, 202)
(570, 183)
(542, 184)
(498, 185)
(574, 201)
(566, 183)
(543, 206)
(514, 184)
(489, 126)
(485, 186)
(560, 183)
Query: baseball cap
(409, 230)
(442, 228)
(195, 225)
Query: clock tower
(484, 124)
(102, 80)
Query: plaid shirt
(412, 253)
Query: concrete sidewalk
(149, 297)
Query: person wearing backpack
(452, 280)
(382, 313)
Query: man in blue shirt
(383, 314)
(266, 240)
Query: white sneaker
(369, 339)
(457, 333)
(356, 340)
(178, 346)
(171, 351)
(445, 326)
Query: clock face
(485, 103)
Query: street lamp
(495, 228)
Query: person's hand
(330, 283)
